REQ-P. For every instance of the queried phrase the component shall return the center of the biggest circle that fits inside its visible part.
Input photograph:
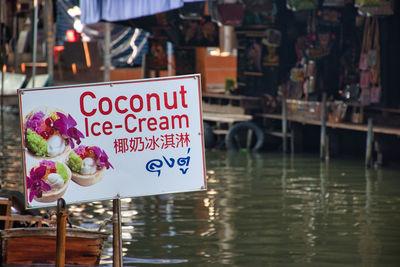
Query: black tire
(209, 136)
(236, 138)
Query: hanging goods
(375, 94)
(320, 41)
(365, 97)
(271, 39)
(375, 78)
(297, 75)
(231, 13)
(372, 51)
(310, 71)
(364, 79)
(374, 57)
(363, 64)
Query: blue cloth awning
(94, 11)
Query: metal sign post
(117, 242)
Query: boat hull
(38, 245)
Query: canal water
(262, 209)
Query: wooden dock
(342, 125)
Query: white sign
(112, 140)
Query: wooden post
(34, 46)
(323, 128)
(61, 232)
(49, 38)
(249, 139)
(169, 53)
(145, 70)
(3, 62)
(201, 66)
(107, 52)
(284, 120)
(292, 141)
(117, 242)
(368, 153)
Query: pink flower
(35, 182)
(35, 121)
(80, 150)
(48, 163)
(66, 126)
(102, 158)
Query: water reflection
(259, 210)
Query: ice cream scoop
(55, 181)
(89, 166)
(55, 145)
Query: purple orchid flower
(66, 126)
(102, 158)
(35, 183)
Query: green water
(259, 210)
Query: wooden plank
(222, 109)
(278, 134)
(383, 110)
(222, 103)
(227, 118)
(38, 245)
(346, 126)
(43, 250)
(220, 131)
(235, 97)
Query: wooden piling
(61, 232)
(284, 121)
(370, 138)
(323, 128)
(117, 242)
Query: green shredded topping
(75, 162)
(62, 171)
(36, 143)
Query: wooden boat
(36, 246)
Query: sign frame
(187, 99)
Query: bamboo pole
(61, 232)
(117, 242)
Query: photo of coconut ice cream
(50, 133)
(88, 164)
(48, 181)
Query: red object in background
(72, 36)
(57, 49)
